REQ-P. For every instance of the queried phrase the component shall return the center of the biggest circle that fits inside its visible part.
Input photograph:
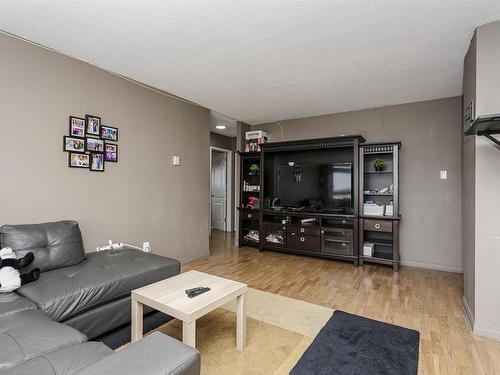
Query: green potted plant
(254, 169)
(379, 165)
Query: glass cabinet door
(337, 241)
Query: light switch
(176, 160)
(443, 175)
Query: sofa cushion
(11, 303)
(155, 354)
(65, 361)
(105, 277)
(54, 245)
(29, 333)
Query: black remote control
(197, 292)
(193, 289)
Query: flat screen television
(316, 187)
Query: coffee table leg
(189, 333)
(137, 320)
(241, 322)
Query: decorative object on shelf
(111, 152)
(97, 162)
(368, 249)
(87, 143)
(253, 202)
(93, 125)
(276, 237)
(252, 236)
(297, 174)
(379, 165)
(254, 170)
(79, 160)
(76, 126)
(389, 210)
(373, 209)
(73, 144)
(109, 133)
(250, 188)
(387, 189)
(253, 140)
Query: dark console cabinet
(309, 197)
(337, 241)
(314, 199)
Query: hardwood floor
(428, 301)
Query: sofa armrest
(156, 354)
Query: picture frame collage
(89, 143)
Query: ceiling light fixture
(221, 127)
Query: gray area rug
(352, 345)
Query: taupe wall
(143, 197)
(222, 141)
(431, 138)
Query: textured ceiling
(261, 61)
(219, 119)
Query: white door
(218, 190)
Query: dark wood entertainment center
(330, 233)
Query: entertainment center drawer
(302, 229)
(377, 225)
(301, 242)
(248, 215)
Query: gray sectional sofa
(45, 325)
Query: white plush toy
(10, 277)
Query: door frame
(229, 195)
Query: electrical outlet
(176, 160)
(443, 175)
(146, 247)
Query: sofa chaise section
(103, 283)
(90, 292)
(66, 361)
(11, 303)
(156, 354)
(29, 333)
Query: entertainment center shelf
(308, 197)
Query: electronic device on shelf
(313, 185)
(193, 292)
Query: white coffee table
(169, 297)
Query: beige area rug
(279, 330)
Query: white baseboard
(432, 266)
(468, 313)
(489, 332)
(196, 257)
(477, 329)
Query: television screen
(316, 186)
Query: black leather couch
(45, 325)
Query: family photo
(97, 163)
(87, 143)
(111, 153)
(76, 126)
(93, 124)
(79, 160)
(94, 144)
(108, 132)
(73, 144)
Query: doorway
(220, 189)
